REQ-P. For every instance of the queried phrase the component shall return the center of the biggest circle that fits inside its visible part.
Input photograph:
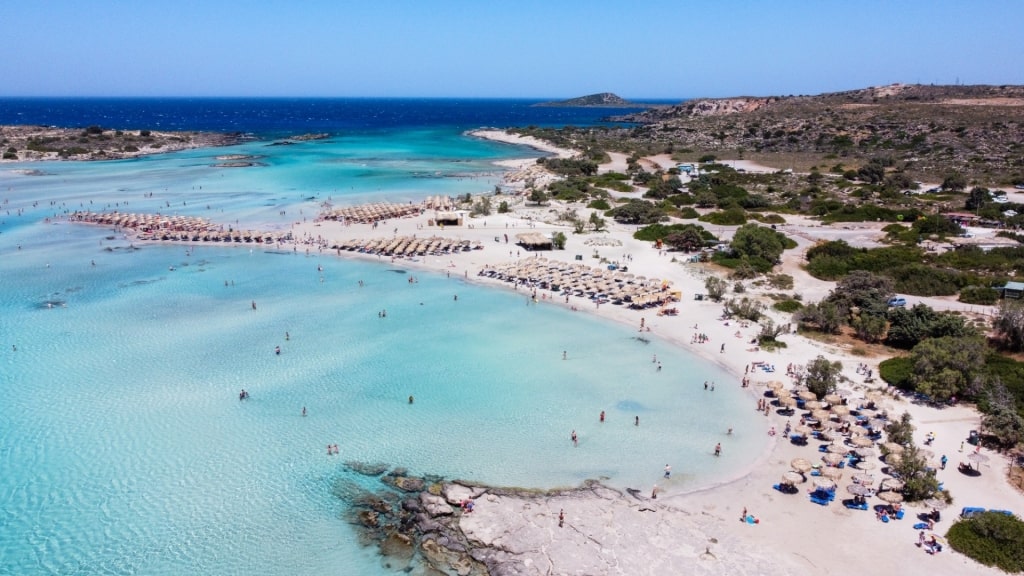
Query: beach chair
(899, 514)
(820, 499)
(849, 503)
(969, 511)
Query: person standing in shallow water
(575, 439)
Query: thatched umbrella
(866, 465)
(832, 398)
(832, 459)
(890, 497)
(802, 429)
(977, 458)
(893, 448)
(832, 473)
(858, 490)
(861, 441)
(894, 484)
(936, 503)
(837, 449)
(800, 465)
(792, 477)
(807, 395)
(840, 409)
(824, 483)
(812, 405)
(787, 402)
(819, 415)
(864, 479)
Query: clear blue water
(123, 445)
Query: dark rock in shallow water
(411, 505)
(366, 468)
(369, 518)
(408, 484)
(397, 545)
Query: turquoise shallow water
(126, 451)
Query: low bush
(787, 305)
(979, 295)
(728, 217)
(990, 538)
(896, 372)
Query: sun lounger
(819, 500)
(967, 512)
(899, 514)
(1007, 512)
(854, 506)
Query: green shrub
(688, 213)
(729, 217)
(979, 295)
(655, 232)
(990, 538)
(599, 204)
(897, 371)
(787, 305)
(769, 218)
(10, 156)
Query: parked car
(898, 301)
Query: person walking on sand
(561, 517)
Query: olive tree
(716, 287)
(821, 376)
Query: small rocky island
(32, 143)
(602, 100)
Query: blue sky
(490, 48)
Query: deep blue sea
(123, 446)
(272, 117)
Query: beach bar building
(534, 241)
(1013, 290)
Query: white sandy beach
(688, 528)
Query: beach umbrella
(776, 385)
(894, 484)
(936, 503)
(864, 479)
(787, 402)
(832, 459)
(837, 449)
(832, 473)
(977, 458)
(840, 409)
(893, 448)
(827, 435)
(802, 430)
(890, 497)
(861, 441)
(819, 415)
(824, 483)
(807, 395)
(877, 423)
(800, 465)
(792, 477)
(832, 398)
(858, 490)
(866, 465)
(812, 404)
(783, 393)
(893, 458)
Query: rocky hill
(931, 130)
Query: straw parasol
(787, 401)
(802, 429)
(832, 459)
(825, 483)
(862, 478)
(861, 441)
(827, 435)
(800, 465)
(832, 473)
(840, 409)
(893, 458)
(936, 503)
(893, 447)
(792, 477)
(866, 465)
(775, 385)
(832, 398)
(837, 449)
(977, 458)
(812, 405)
(807, 395)
(857, 490)
(890, 497)
(819, 415)
(894, 484)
